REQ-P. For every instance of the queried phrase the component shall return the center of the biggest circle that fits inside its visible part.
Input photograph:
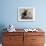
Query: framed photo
(26, 14)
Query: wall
(9, 12)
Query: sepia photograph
(26, 14)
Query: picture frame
(26, 14)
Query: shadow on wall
(2, 27)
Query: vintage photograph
(26, 14)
